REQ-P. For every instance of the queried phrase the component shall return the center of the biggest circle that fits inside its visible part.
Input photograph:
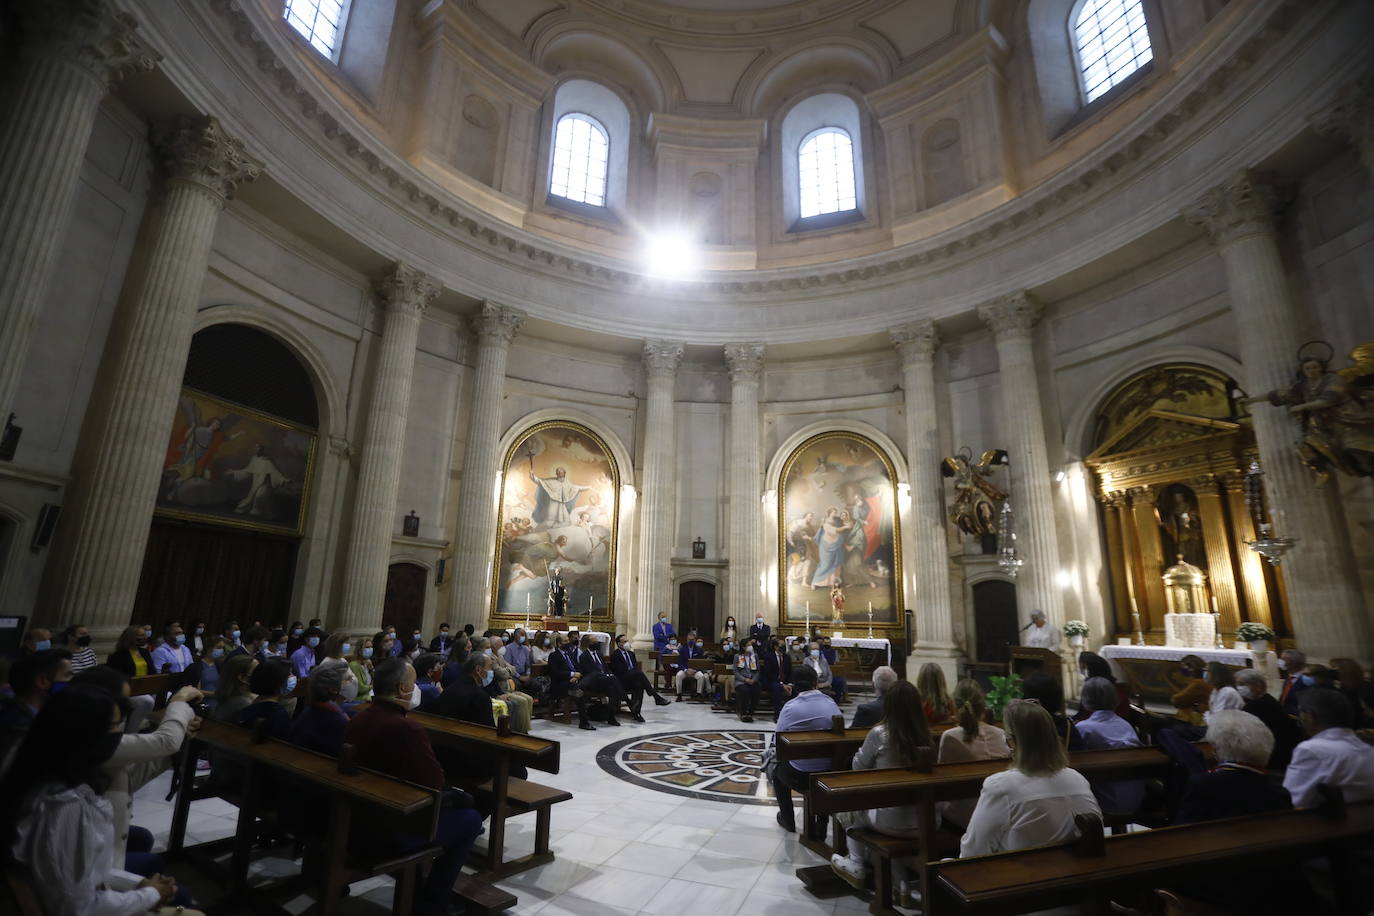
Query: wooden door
(696, 607)
(995, 620)
(405, 598)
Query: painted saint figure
(837, 603)
(554, 499)
(830, 548)
(264, 480)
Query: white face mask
(415, 696)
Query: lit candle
(870, 607)
(1214, 604)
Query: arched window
(825, 171)
(581, 151)
(320, 22)
(1112, 42)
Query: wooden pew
(283, 762)
(1031, 879)
(510, 796)
(859, 790)
(156, 685)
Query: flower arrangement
(1254, 632)
(1075, 628)
(1004, 690)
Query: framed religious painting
(839, 539)
(556, 529)
(226, 464)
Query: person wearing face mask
(748, 684)
(776, 676)
(729, 632)
(277, 646)
(34, 679)
(817, 663)
(195, 640)
(520, 657)
(210, 665)
(395, 648)
(1293, 666)
(670, 660)
(172, 656)
(36, 640)
(360, 663)
(76, 639)
(597, 679)
(442, 642)
(663, 632)
(540, 647)
(566, 680)
(694, 648)
(507, 688)
(61, 823)
(625, 667)
(295, 636)
(466, 699)
(129, 657)
(838, 685)
(761, 633)
(257, 639)
(336, 651)
(231, 632)
(388, 741)
(457, 654)
(272, 684)
(429, 667)
(321, 726)
(1258, 702)
(303, 659)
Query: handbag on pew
(454, 797)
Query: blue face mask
(486, 678)
(236, 634)
(200, 630)
(815, 653)
(42, 645)
(297, 631)
(367, 653)
(345, 649)
(58, 686)
(520, 640)
(217, 653)
(313, 641)
(290, 685)
(181, 639)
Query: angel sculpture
(974, 511)
(1334, 411)
(192, 457)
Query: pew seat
(524, 797)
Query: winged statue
(976, 499)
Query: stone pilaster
(916, 344)
(745, 361)
(71, 52)
(1012, 319)
(654, 592)
(106, 529)
(1324, 598)
(403, 294)
(495, 327)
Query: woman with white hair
(1238, 784)
(1104, 729)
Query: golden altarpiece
(1169, 457)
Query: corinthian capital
(496, 324)
(407, 290)
(1012, 315)
(1351, 119)
(197, 151)
(915, 342)
(661, 358)
(1245, 204)
(745, 361)
(90, 34)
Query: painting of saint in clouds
(559, 504)
(839, 534)
(228, 465)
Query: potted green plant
(1077, 631)
(1004, 690)
(1256, 634)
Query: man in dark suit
(597, 678)
(1260, 704)
(777, 675)
(634, 682)
(871, 713)
(442, 643)
(565, 680)
(761, 633)
(1295, 679)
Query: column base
(946, 655)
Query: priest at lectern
(1040, 633)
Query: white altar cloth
(850, 642)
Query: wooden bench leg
(543, 820)
(336, 850)
(181, 810)
(244, 832)
(403, 901)
(883, 896)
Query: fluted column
(1012, 319)
(494, 327)
(404, 295)
(916, 343)
(107, 527)
(745, 361)
(1324, 598)
(71, 52)
(654, 592)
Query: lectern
(1026, 660)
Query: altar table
(1152, 671)
(849, 642)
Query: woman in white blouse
(540, 648)
(1034, 802)
(61, 823)
(893, 742)
(974, 739)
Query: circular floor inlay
(717, 765)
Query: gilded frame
(606, 615)
(855, 619)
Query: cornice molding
(426, 200)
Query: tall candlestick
(1216, 623)
(1135, 616)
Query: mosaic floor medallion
(717, 765)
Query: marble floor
(622, 847)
